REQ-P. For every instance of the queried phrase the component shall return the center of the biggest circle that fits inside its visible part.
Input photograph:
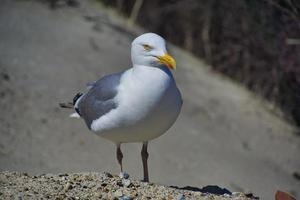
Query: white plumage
(148, 104)
(137, 105)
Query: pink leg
(119, 156)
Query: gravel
(15, 185)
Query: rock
(226, 195)
(68, 186)
(118, 193)
(126, 198)
(124, 175)
(236, 194)
(97, 195)
(126, 182)
(181, 197)
(108, 175)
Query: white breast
(149, 103)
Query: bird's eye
(147, 47)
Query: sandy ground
(224, 136)
(101, 186)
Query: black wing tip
(69, 104)
(77, 96)
(66, 105)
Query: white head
(149, 49)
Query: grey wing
(99, 99)
(89, 85)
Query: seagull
(136, 105)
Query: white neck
(147, 71)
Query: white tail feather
(75, 115)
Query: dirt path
(224, 136)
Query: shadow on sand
(212, 189)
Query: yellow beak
(168, 60)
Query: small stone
(249, 194)
(203, 194)
(144, 184)
(61, 175)
(106, 190)
(124, 175)
(104, 184)
(108, 175)
(126, 198)
(104, 196)
(118, 193)
(180, 197)
(119, 183)
(236, 194)
(98, 195)
(134, 193)
(25, 174)
(126, 182)
(68, 186)
(226, 195)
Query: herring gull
(136, 105)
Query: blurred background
(253, 42)
(238, 71)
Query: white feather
(149, 103)
(74, 115)
(148, 100)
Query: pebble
(119, 183)
(180, 197)
(68, 186)
(108, 175)
(126, 198)
(126, 182)
(236, 194)
(124, 175)
(61, 175)
(103, 184)
(118, 193)
(226, 195)
(98, 195)
(144, 184)
(25, 174)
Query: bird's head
(149, 49)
